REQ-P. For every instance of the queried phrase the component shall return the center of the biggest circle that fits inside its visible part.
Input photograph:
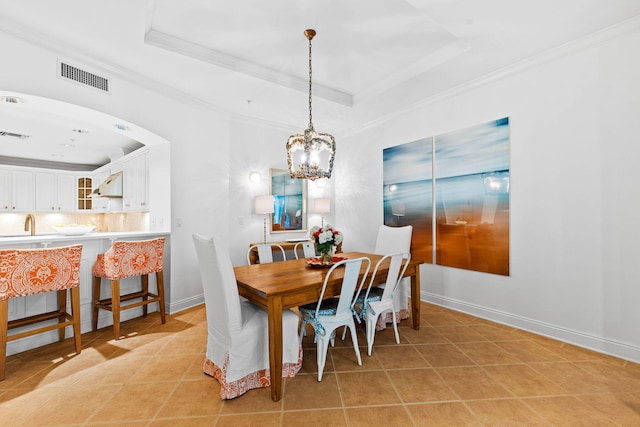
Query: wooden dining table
(280, 285)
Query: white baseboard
(185, 304)
(580, 339)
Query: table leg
(274, 309)
(415, 299)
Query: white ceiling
(371, 58)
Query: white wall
(256, 147)
(574, 121)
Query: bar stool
(31, 271)
(128, 259)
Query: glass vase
(326, 257)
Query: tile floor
(456, 370)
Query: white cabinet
(55, 192)
(100, 204)
(17, 191)
(5, 190)
(135, 192)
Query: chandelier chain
(310, 121)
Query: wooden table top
(295, 279)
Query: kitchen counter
(56, 237)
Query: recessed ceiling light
(11, 99)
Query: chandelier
(310, 154)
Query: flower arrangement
(326, 238)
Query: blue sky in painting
(476, 149)
(480, 148)
(407, 162)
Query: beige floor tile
(486, 353)
(193, 398)
(315, 418)
(617, 378)
(385, 337)
(570, 377)
(460, 334)
(529, 352)
(567, 411)
(472, 383)
(344, 359)
(378, 416)
(506, 412)
(310, 363)
(209, 421)
(71, 405)
(420, 385)
(256, 400)
(399, 357)
(445, 414)
(575, 354)
(250, 420)
(463, 318)
(439, 319)
(522, 381)
(113, 371)
(20, 405)
(495, 332)
(135, 402)
(196, 370)
(18, 372)
(362, 388)
(444, 355)
(164, 368)
(186, 344)
(620, 408)
(305, 392)
(426, 335)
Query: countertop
(40, 238)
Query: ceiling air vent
(13, 135)
(84, 77)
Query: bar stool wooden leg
(75, 312)
(160, 285)
(115, 307)
(145, 289)
(62, 312)
(96, 300)
(4, 327)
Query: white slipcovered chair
(378, 300)
(308, 249)
(265, 252)
(237, 352)
(393, 240)
(327, 315)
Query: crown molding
(230, 62)
(588, 41)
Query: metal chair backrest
(265, 252)
(308, 249)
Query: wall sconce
(264, 205)
(255, 177)
(322, 206)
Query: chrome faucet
(30, 223)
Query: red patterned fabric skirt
(257, 379)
